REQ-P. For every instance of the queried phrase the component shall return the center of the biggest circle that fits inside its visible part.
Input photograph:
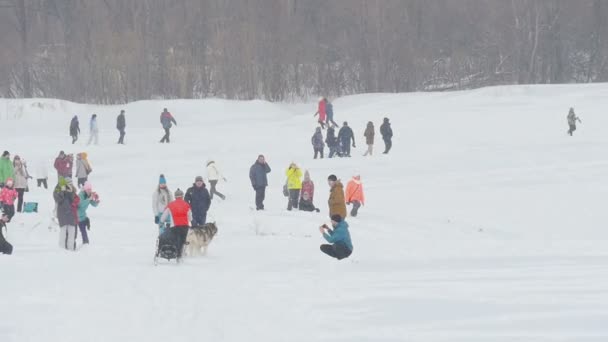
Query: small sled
(166, 247)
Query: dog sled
(167, 246)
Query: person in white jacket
(214, 175)
(160, 199)
(93, 130)
(42, 174)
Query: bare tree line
(114, 51)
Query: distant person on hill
(572, 119)
(308, 192)
(332, 142)
(339, 237)
(214, 176)
(121, 125)
(294, 185)
(337, 206)
(167, 120)
(258, 174)
(329, 110)
(321, 112)
(317, 143)
(74, 129)
(6, 168)
(63, 165)
(355, 195)
(345, 136)
(369, 138)
(5, 246)
(93, 130)
(387, 135)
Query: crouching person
(341, 246)
(5, 247)
(67, 201)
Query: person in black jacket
(259, 180)
(387, 135)
(74, 129)
(332, 142)
(345, 136)
(121, 124)
(198, 198)
(5, 247)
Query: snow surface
(485, 223)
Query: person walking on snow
(294, 185)
(20, 181)
(341, 245)
(63, 165)
(6, 168)
(387, 135)
(121, 125)
(67, 202)
(5, 246)
(332, 142)
(160, 200)
(74, 129)
(199, 199)
(258, 174)
(344, 137)
(572, 119)
(336, 202)
(214, 175)
(355, 195)
(369, 138)
(8, 195)
(93, 130)
(308, 192)
(86, 197)
(317, 142)
(321, 112)
(329, 110)
(83, 168)
(181, 215)
(166, 119)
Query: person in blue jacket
(87, 197)
(341, 246)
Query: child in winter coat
(160, 200)
(354, 194)
(5, 246)
(308, 191)
(87, 197)
(8, 195)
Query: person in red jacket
(63, 165)
(181, 215)
(321, 112)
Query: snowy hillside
(485, 223)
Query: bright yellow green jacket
(294, 179)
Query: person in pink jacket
(8, 195)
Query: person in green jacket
(87, 197)
(6, 168)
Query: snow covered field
(485, 223)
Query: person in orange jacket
(354, 194)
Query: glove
(354, 145)
(156, 219)
(225, 180)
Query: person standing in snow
(42, 174)
(258, 174)
(321, 112)
(8, 195)
(317, 143)
(74, 129)
(341, 245)
(67, 202)
(160, 200)
(5, 246)
(336, 202)
(121, 125)
(181, 215)
(572, 119)
(387, 135)
(166, 119)
(308, 192)
(344, 137)
(369, 138)
(332, 142)
(294, 185)
(355, 195)
(329, 110)
(6, 168)
(83, 168)
(93, 130)
(21, 177)
(199, 199)
(63, 165)
(86, 197)
(214, 175)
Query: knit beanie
(336, 218)
(162, 180)
(179, 193)
(332, 178)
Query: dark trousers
(81, 181)
(20, 193)
(83, 230)
(41, 182)
(5, 246)
(294, 198)
(332, 151)
(166, 136)
(213, 190)
(572, 129)
(330, 119)
(9, 210)
(121, 139)
(318, 151)
(260, 194)
(346, 148)
(388, 143)
(199, 219)
(181, 232)
(337, 250)
(355, 209)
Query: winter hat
(210, 161)
(306, 175)
(179, 193)
(162, 180)
(385, 119)
(198, 179)
(332, 178)
(336, 218)
(5, 154)
(87, 186)
(9, 181)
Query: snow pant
(213, 190)
(330, 119)
(20, 193)
(318, 151)
(74, 139)
(337, 250)
(5, 247)
(370, 150)
(388, 143)
(67, 237)
(355, 209)
(83, 225)
(307, 206)
(166, 136)
(181, 232)
(293, 199)
(9, 210)
(346, 148)
(94, 136)
(322, 123)
(121, 139)
(199, 219)
(260, 195)
(332, 151)
(41, 182)
(81, 181)
(572, 128)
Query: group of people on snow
(14, 178)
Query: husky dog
(200, 237)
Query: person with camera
(67, 201)
(87, 197)
(340, 246)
